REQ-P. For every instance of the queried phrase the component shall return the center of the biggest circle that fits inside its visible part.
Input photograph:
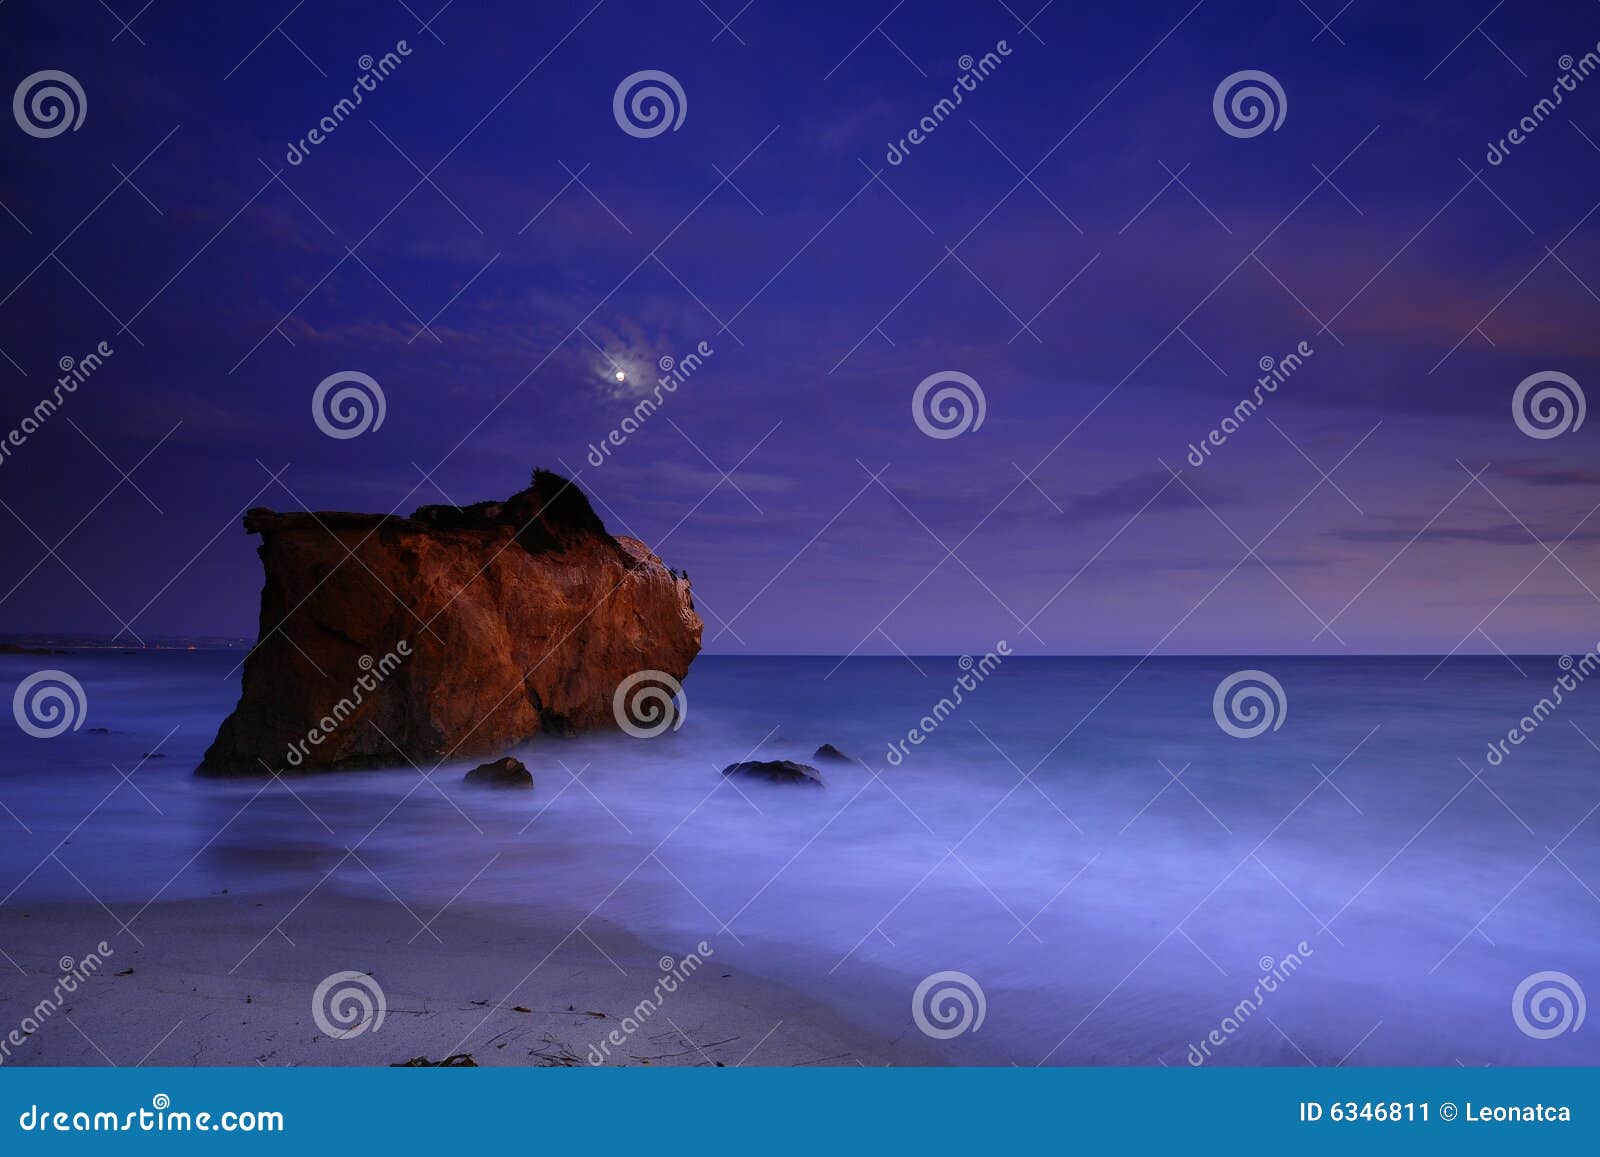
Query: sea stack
(454, 633)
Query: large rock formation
(454, 633)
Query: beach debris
(561, 1058)
(457, 1061)
(503, 772)
(776, 771)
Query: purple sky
(491, 300)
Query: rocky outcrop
(501, 773)
(776, 771)
(453, 633)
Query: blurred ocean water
(1080, 837)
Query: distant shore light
(621, 377)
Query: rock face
(456, 632)
(776, 771)
(503, 772)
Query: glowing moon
(621, 377)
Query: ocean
(1116, 878)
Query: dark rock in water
(829, 752)
(503, 772)
(454, 633)
(154, 755)
(776, 771)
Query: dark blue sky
(490, 300)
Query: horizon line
(215, 643)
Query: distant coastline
(36, 644)
(59, 644)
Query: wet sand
(215, 983)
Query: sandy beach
(213, 984)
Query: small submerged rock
(831, 754)
(503, 772)
(776, 771)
